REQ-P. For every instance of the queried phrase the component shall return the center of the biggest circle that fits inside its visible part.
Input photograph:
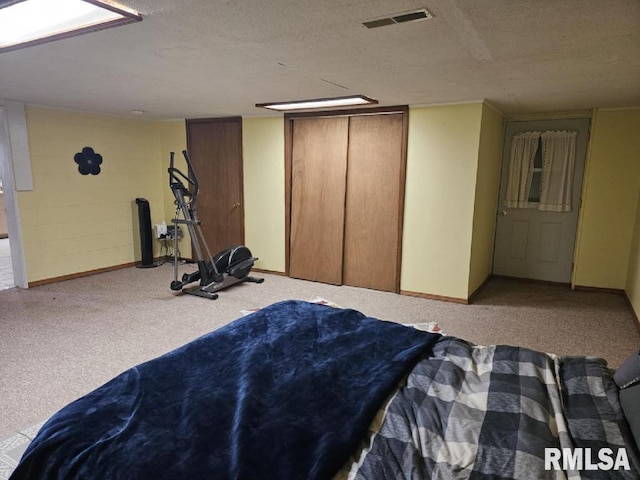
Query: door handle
(503, 213)
(236, 205)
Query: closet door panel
(375, 179)
(319, 163)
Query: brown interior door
(215, 149)
(374, 202)
(318, 171)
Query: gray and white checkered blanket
(469, 412)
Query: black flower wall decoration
(88, 161)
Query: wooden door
(530, 243)
(215, 148)
(318, 182)
(374, 205)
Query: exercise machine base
(208, 291)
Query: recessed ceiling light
(30, 22)
(351, 100)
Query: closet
(345, 196)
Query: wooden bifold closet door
(347, 196)
(317, 196)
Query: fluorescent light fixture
(351, 100)
(30, 22)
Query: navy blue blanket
(284, 393)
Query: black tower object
(146, 240)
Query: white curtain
(558, 161)
(523, 151)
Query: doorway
(215, 149)
(531, 242)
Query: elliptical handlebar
(176, 174)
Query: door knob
(236, 205)
(503, 213)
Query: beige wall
(263, 153)
(486, 199)
(442, 167)
(73, 223)
(632, 288)
(443, 157)
(610, 195)
(76, 223)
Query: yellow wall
(441, 179)
(632, 288)
(76, 223)
(442, 166)
(263, 152)
(610, 196)
(486, 199)
(73, 223)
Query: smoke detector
(397, 18)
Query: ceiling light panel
(348, 101)
(29, 22)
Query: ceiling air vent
(413, 16)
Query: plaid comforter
(489, 412)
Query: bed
(299, 390)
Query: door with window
(540, 191)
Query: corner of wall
(608, 211)
(264, 185)
(442, 162)
(575, 273)
(486, 197)
(632, 285)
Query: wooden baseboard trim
(270, 272)
(582, 288)
(72, 276)
(441, 298)
(87, 273)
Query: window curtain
(558, 162)
(523, 151)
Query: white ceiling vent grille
(405, 17)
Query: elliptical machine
(228, 267)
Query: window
(536, 177)
(541, 170)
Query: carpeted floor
(60, 341)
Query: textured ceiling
(209, 58)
